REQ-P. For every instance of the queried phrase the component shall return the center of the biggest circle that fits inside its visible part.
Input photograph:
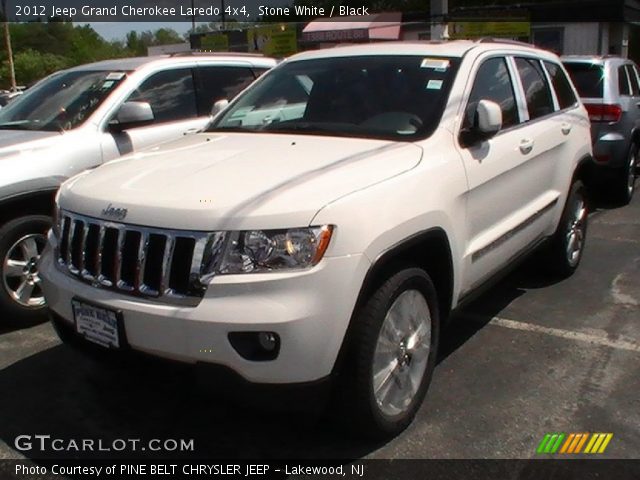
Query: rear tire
(567, 245)
(391, 355)
(22, 240)
(626, 179)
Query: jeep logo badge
(115, 213)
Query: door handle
(638, 104)
(566, 128)
(526, 146)
(191, 131)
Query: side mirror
(218, 106)
(132, 114)
(487, 123)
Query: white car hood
(18, 141)
(215, 181)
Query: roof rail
(215, 54)
(503, 40)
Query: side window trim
(634, 67)
(554, 94)
(548, 84)
(521, 98)
(462, 108)
(622, 68)
(104, 125)
(633, 81)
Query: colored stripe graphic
(573, 443)
(581, 443)
(598, 442)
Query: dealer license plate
(98, 325)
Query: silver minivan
(79, 118)
(610, 90)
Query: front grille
(135, 260)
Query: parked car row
(319, 229)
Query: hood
(214, 181)
(17, 141)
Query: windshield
(61, 102)
(383, 96)
(587, 77)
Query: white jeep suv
(327, 222)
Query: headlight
(256, 251)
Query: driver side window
(171, 95)
(493, 82)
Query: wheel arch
(35, 202)
(430, 250)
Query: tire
(403, 371)
(624, 185)
(567, 244)
(21, 243)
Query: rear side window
(561, 85)
(623, 82)
(633, 79)
(493, 82)
(536, 89)
(587, 77)
(171, 95)
(218, 83)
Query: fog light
(268, 341)
(256, 346)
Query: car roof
(135, 63)
(598, 59)
(454, 48)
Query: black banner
(569, 469)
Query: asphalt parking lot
(528, 358)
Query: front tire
(392, 354)
(567, 245)
(22, 241)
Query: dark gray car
(610, 90)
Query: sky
(118, 30)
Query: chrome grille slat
(101, 261)
(117, 267)
(83, 253)
(69, 248)
(166, 264)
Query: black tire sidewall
(11, 313)
(559, 246)
(374, 313)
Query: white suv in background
(327, 222)
(80, 118)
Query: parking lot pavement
(528, 358)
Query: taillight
(601, 112)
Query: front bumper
(309, 310)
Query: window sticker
(437, 64)
(434, 85)
(115, 76)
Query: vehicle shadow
(475, 315)
(62, 393)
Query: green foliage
(31, 65)
(40, 48)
